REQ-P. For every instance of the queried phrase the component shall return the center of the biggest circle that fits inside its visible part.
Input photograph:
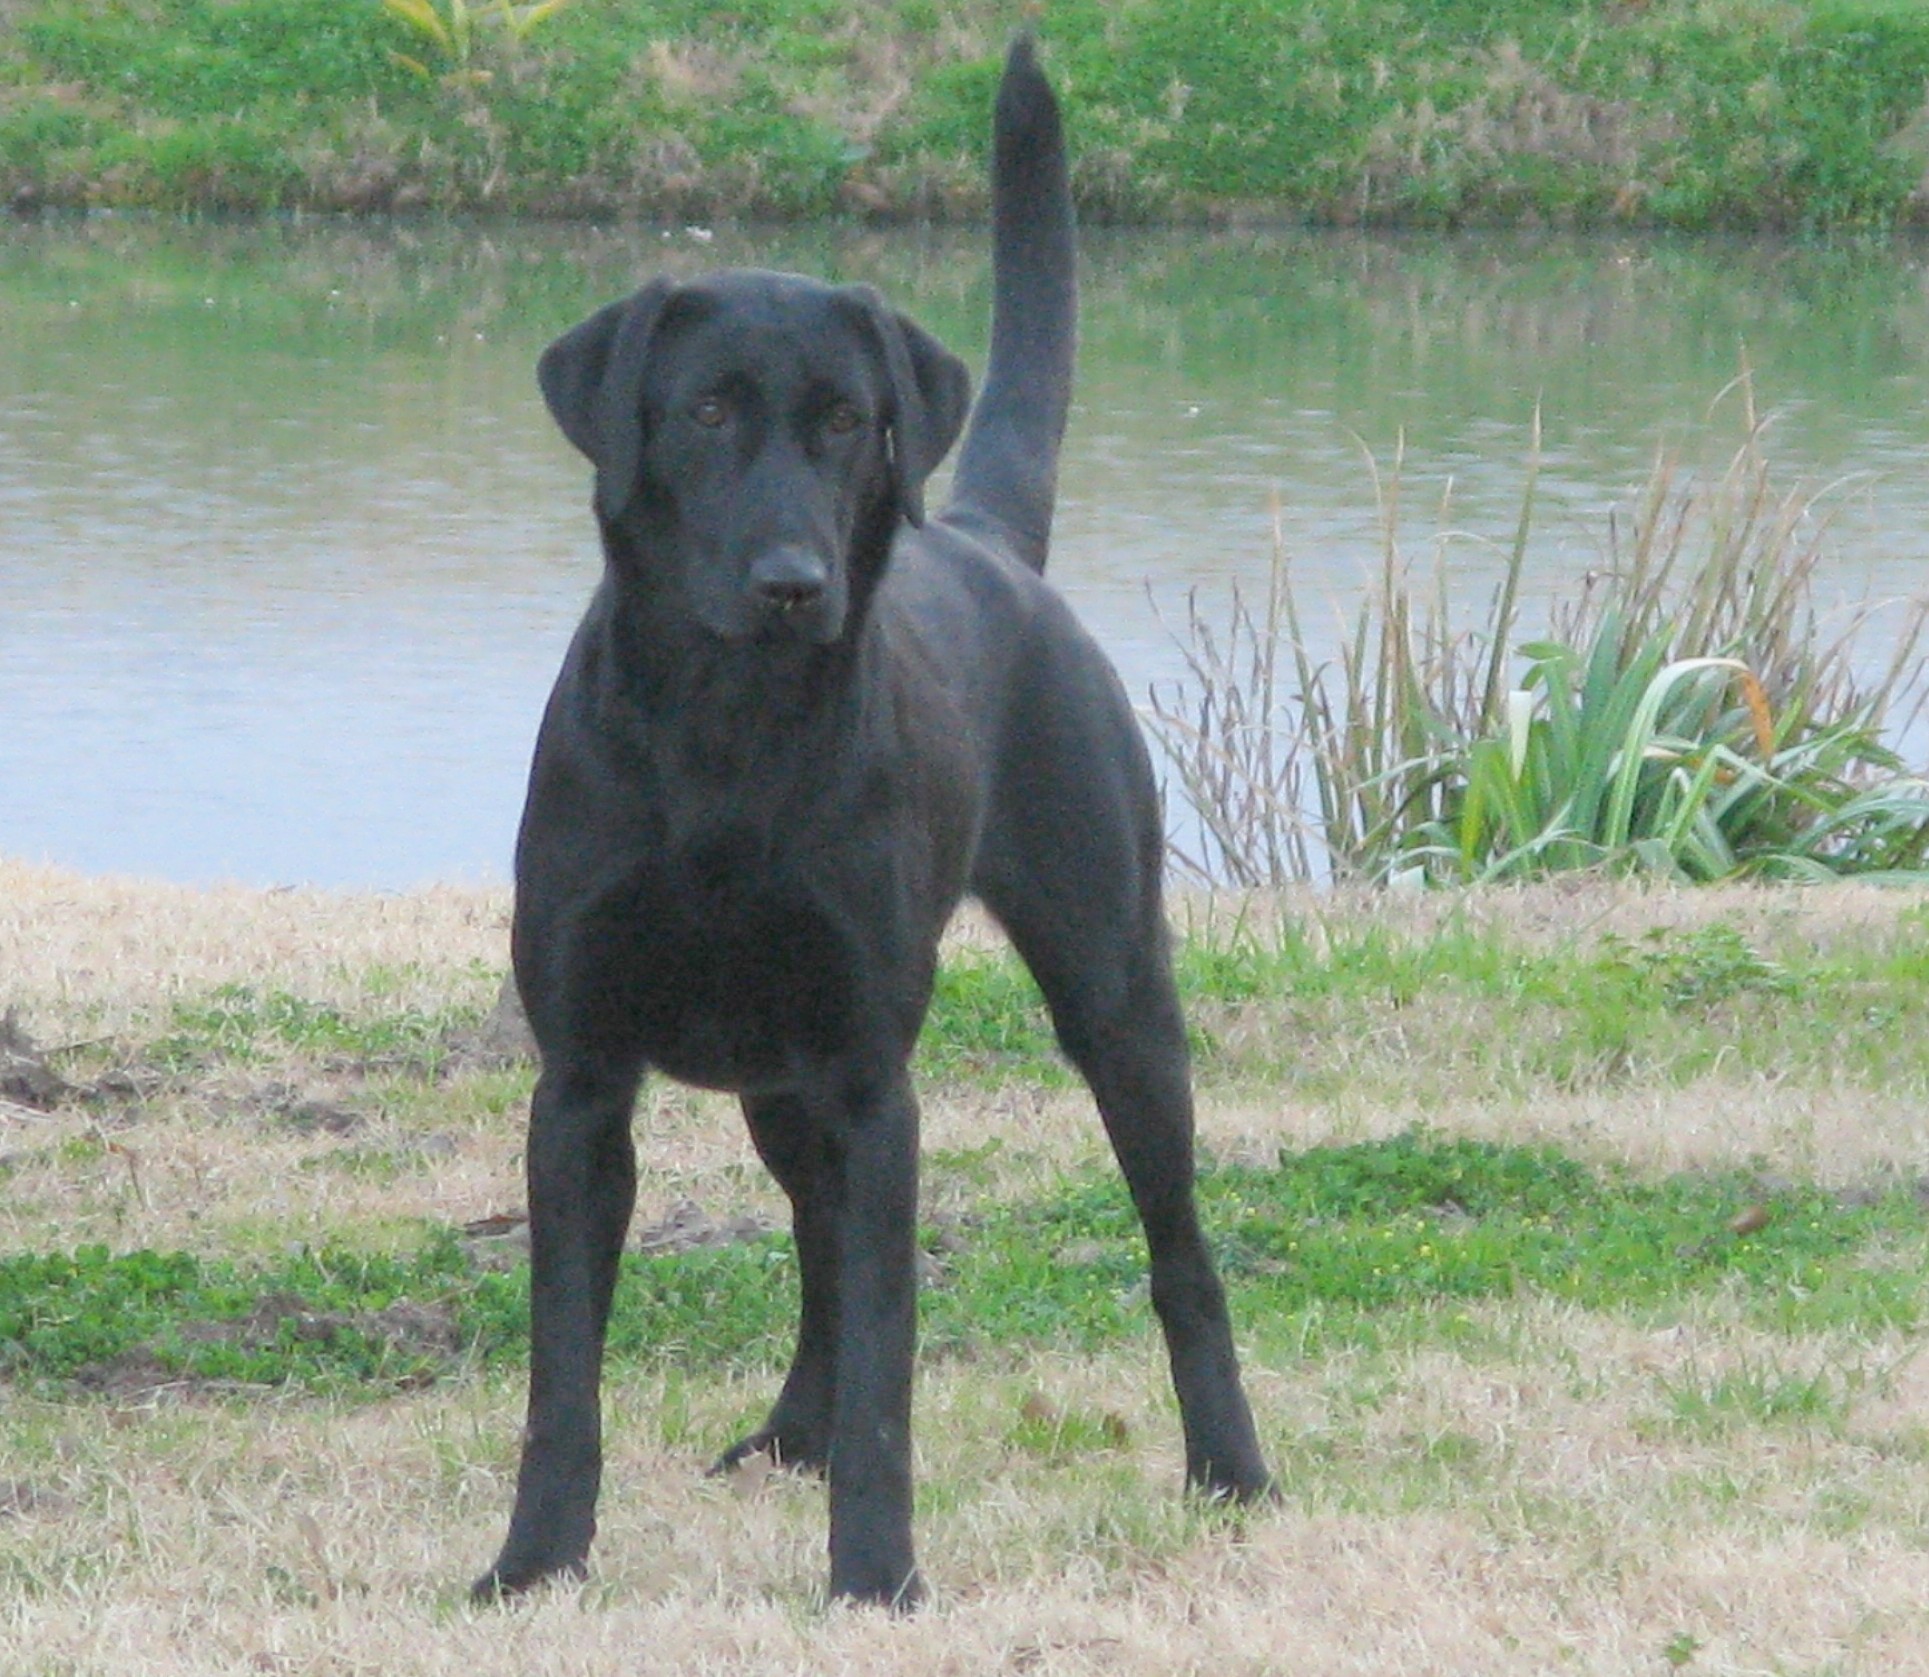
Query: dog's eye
(842, 418)
(710, 413)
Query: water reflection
(288, 550)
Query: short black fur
(798, 724)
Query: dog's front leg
(870, 1455)
(581, 1168)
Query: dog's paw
(898, 1592)
(1252, 1487)
(781, 1447)
(507, 1579)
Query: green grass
(988, 1022)
(1329, 1247)
(240, 1023)
(1475, 1003)
(1554, 1015)
(1333, 1243)
(1679, 112)
(1760, 1394)
(308, 1321)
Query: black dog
(796, 726)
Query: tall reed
(1690, 712)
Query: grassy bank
(1576, 1236)
(1681, 113)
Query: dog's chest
(735, 979)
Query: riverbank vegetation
(1691, 713)
(1575, 1232)
(1677, 113)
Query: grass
(236, 1022)
(1681, 112)
(1284, 1005)
(1331, 1247)
(1272, 997)
(1573, 1231)
(140, 1319)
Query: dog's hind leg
(1125, 1035)
(1092, 931)
(791, 1144)
(582, 1188)
(1129, 1042)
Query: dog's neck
(723, 711)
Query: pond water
(289, 549)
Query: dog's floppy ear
(930, 395)
(591, 377)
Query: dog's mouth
(816, 624)
(775, 628)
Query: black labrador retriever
(798, 723)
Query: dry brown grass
(1568, 910)
(85, 959)
(84, 952)
(1572, 1530)
(1548, 1492)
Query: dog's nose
(789, 579)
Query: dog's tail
(1008, 467)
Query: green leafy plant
(1680, 1649)
(455, 31)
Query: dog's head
(747, 430)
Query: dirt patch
(424, 1337)
(501, 1041)
(22, 1497)
(29, 1082)
(26, 1079)
(689, 1226)
(316, 1117)
(501, 1239)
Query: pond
(289, 549)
